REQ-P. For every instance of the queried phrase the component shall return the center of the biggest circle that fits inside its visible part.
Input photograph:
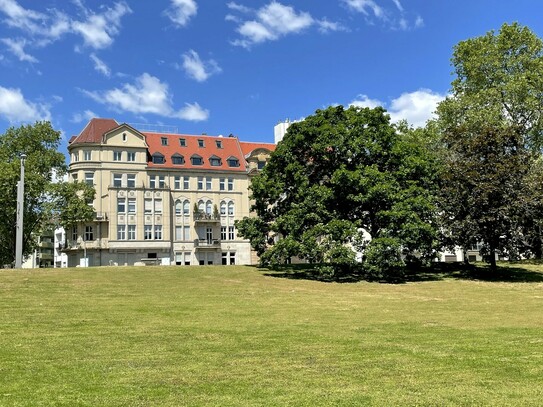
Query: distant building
(162, 198)
(44, 254)
(280, 130)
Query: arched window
(209, 207)
(186, 207)
(178, 207)
(223, 208)
(201, 206)
(230, 208)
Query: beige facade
(162, 198)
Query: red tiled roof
(94, 130)
(248, 147)
(230, 149)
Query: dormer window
(215, 161)
(218, 143)
(158, 158)
(182, 142)
(164, 141)
(196, 160)
(233, 162)
(201, 143)
(178, 159)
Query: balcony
(100, 217)
(203, 244)
(203, 217)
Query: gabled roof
(248, 147)
(94, 130)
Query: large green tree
(344, 181)
(491, 126)
(44, 199)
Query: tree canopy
(342, 182)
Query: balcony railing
(207, 243)
(206, 217)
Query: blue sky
(221, 67)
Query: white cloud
(238, 7)
(398, 4)
(100, 65)
(17, 48)
(98, 30)
(363, 6)
(83, 116)
(181, 11)
(396, 18)
(416, 107)
(326, 26)
(198, 69)
(148, 95)
(272, 22)
(16, 109)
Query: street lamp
(20, 212)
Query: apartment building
(162, 198)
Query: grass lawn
(239, 336)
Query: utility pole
(20, 213)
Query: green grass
(239, 336)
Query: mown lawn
(239, 336)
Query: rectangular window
(232, 258)
(117, 155)
(230, 184)
(164, 141)
(186, 232)
(131, 205)
(187, 258)
(117, 180)
(87, 155)
(131, 232)
(121, 232)
(74, 234)
(75, 157)
(208, 183)
(158, 205)
(186, 183)
(231, 234)
(131, 180)
(182, 142)
(89, 178)
(261, 164)
(222, 184)
(179, 233)
(148, 206)
(224, 259)
(218, 143)
(201, 143)
(161, 181)
(152, 181)
(74, 177)
(200, 183)
(177, 182)
(158, 232)
(121, 205)
(148, 232)
(131, 156)
(89, 234)
(223, 232)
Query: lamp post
(20, 212)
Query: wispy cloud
(83, 116)
(273, 21)
(100, 65)
(16, 47)
(416, 107)
(197, 69)
(396, 18)
(181, 11)
(16, 109)
(148, 95)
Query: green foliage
(339, 177)
(40, 144)
(384, 259)
(70, 203)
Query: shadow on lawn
(436, 272)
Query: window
(232, 258)
(161, 181)
(223, 232)
(131, 205)
(131, 232)
(186, 183)
(178, 208)
(208, 207)
(222, 184)
(131, 156)
(231, 233)
(182, 142)
(117, 155)
(74, 177)
(158, 232)
(224, 259)
(158, 158)
(201, 143)
(178, 159)
(148, 206)
(186, 208)
(223, 208)
(231, 208)
(89, 178)
(177, 182)
(74, 234)
(89, 235)
(121, 205)
(261, 164)
(179, 233)
(218, 143)
(215, 161)
(208, 183)
(148, 232)
(131, 180)
(158, 205)
(186, 232)
(152, 181)
(164, 141)
(233, 162)
(124, 137)
(75, 157)
(87, 155)
(121, 232)
(200, 183)
(196, 160)
(230, 184)
(117, 180)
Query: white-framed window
(218, 143)
(121, 232)
(117, 155)
(87, 155)
(209, 207)
(200, 183)
(208, 183)
(231, 233)
(222, 184)
(232, 258)
(178, 208)
(186, 182)
(148, 206)
(230, 184)
(177, 182)
(131, 156)
(179, 233)
(152, 181)
(148, 232)
(186, 232)
(131, 180)
(131, 232)
(131, 205)
(186, 207)
(75, 157)
(117, 180)
(89, 178)
(230, 208)
(158, 205)
(223, 232)
(164, 141)
(223, 208)
(158, 232)
(121, 205)
(161, 181)
(89, 233)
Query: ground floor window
(228, 258)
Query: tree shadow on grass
(505, 273)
